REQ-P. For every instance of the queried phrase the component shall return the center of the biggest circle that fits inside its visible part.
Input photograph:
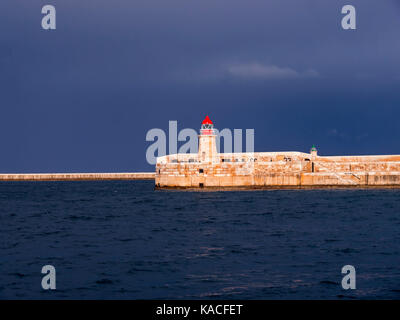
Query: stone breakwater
(76, 176)
(250, 170)
(277, 170)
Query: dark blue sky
(82, 97)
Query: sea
(125, 240)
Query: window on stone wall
(201, 170)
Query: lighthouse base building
(210, 169)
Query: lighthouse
(313, 152)
(207, 142)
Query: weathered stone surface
(273, 169)
(77, 176)
(341, 171)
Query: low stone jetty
(253, 170)
(76, 176)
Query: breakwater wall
(76, 176)
(287, 169)
(285, 180)
(277, 170)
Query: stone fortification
(210, 169)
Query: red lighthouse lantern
(207, 127)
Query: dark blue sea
(124, 240)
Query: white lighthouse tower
(207, 142)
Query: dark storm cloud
(82, 98)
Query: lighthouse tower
(207, 142)
(313, 152)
